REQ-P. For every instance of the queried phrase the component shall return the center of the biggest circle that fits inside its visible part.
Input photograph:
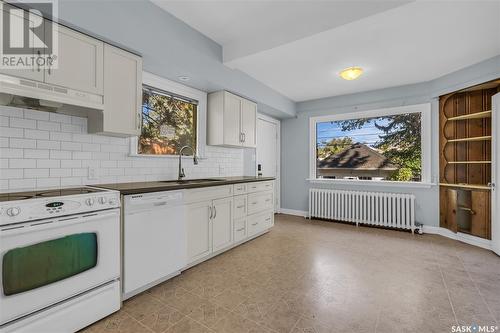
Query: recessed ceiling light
(351, 73)
(183, 78)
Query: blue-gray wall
(295, 134)
(170, 48)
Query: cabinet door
(222, 224)
(248, 123)
(36, 72)
(232, 114)
(122, 91)
(80, 62)
(199, 231)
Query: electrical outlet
(222, 170)
(93, 173)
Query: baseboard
(469, 239)
(302, 213)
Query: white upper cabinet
(248, 123)
(231, 120)
(80, 62)
(122, 94)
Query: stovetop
(50, 203)
(47, 193)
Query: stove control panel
(42, 208)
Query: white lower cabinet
(260, 222)
(199, 230)
(222, 224)
(219, 217)
(240, 229)
(209, 227)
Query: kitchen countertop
(157, 186)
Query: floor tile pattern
(316, 277)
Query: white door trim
(277, 182)
(495, 174)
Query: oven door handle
(55, 223)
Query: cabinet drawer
(240, 206)
(260, 186)
(240, 229)
(239, 189)
(208, 193)
(260, 222)
(259, 201)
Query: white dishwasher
(154, 239)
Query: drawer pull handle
(254, 224)
(254, 203)
(240, 206)
(267, 200)
(268, 219)
(242, 229)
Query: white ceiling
(298, 47)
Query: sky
(368, 134)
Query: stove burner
(15, 196)
(69, 191)
(47, 194)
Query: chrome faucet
(181, 169)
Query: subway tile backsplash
(42, 149)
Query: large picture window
(379, 145)
(169, 122)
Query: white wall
(41, 149)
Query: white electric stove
(60, 259)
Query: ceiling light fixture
(183, 78)
(351, 73)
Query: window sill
(165, 156)
(372, 183)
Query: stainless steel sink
(191, 181)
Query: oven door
(47, 261)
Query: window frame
(423, 109)
(178, 89)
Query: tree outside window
(168, 123)
(377, 148)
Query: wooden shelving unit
(465, 159)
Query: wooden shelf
(469, 162)
(477, 115)
(467, 186)
(467, 209)
(477, 138)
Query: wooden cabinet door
(248, 123)
(232, 119)
(122, 92)
(36, 72)
(199, 230)
(222, 223)
(80, 62)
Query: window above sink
(173, 115)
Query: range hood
(29, 94)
